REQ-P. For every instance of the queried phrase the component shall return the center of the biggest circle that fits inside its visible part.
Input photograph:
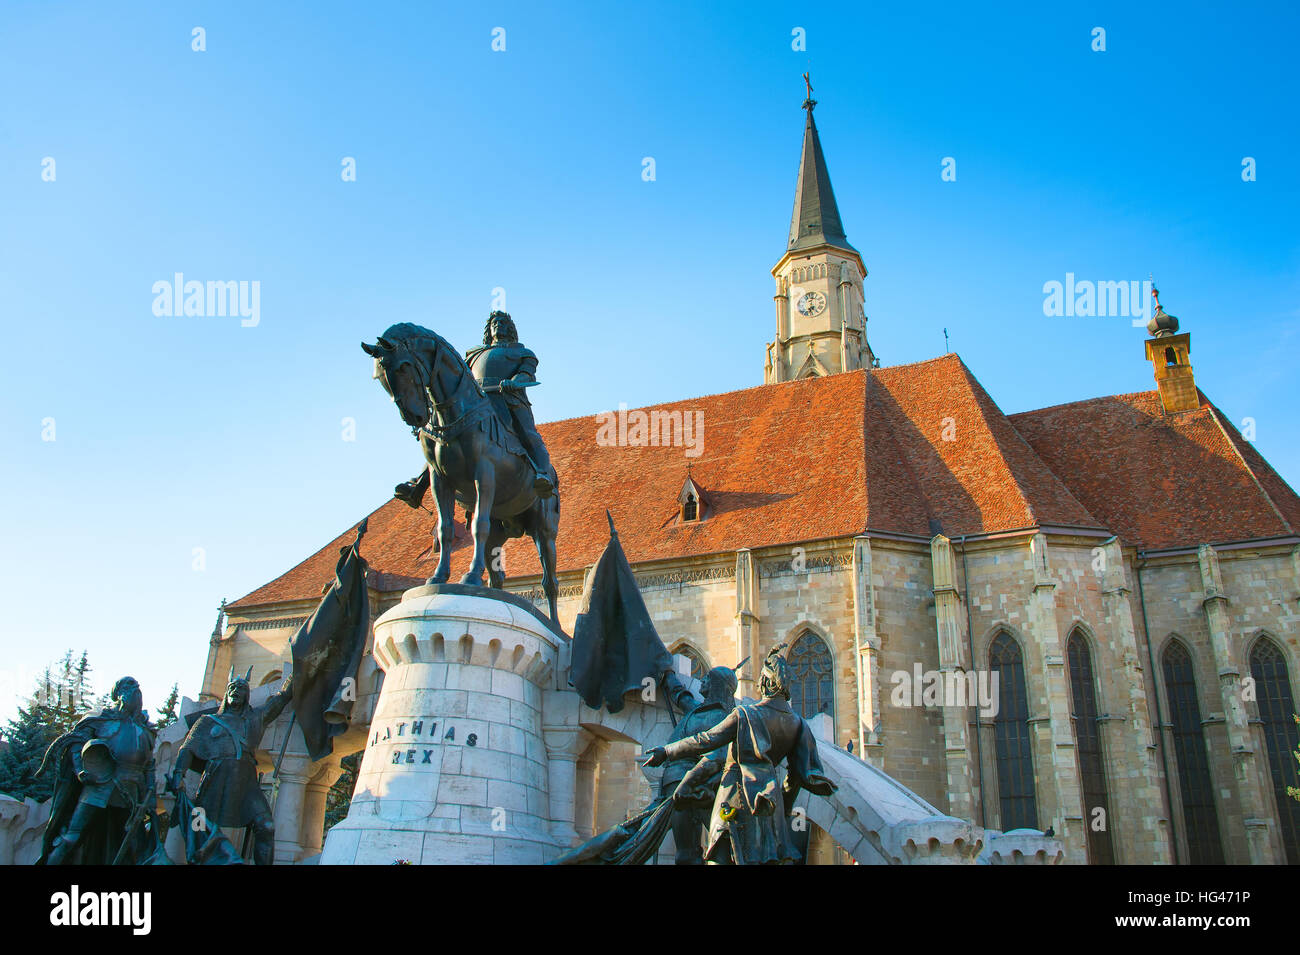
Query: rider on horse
(504, 370)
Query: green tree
(62, 696)
(168, 715)
(26, 738)
(339, 796)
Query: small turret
(1169, 354)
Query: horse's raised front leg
(484, 491)
(445, 498)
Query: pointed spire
(221, 613)
(816, 218)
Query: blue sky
(521, 170)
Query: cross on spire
(808, 103)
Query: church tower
(821, 328)
(1169, 354)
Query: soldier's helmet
(720, 684)
(123, 687)
(775, 680)
(238, 682)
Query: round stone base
(455, 769)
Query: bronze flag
(615, 645)
(326, 651)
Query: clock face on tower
(811, 303)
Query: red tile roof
(974, 470)
(1161, 481)
(837, 456)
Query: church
(1131, 600)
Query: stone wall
(1260, 587)
(22, 826)
(888, 599)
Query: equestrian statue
(475, 426)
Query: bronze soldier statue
(504, 370)
(749, 824)
(106, 786)
(692, 803)
(224, 746)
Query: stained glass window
(1200, 817)
(698, 668)
(1087, 735)
(1277, 713)
(812, 673)
(1017, 802)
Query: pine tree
(26, 739)
(61, 698)
(72, 695)
(167, 715)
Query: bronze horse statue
(473, 455)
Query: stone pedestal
(455, 766)
(294, 773)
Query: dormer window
(692, 502)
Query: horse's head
(405, 380)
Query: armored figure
(105, 786)
(224, 747)
(692, 803)
(749, 822)
(504, 370)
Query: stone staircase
(878, 821)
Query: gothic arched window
(1200, 817)
(699, 669)
(1017, 803)
(1277, 713)
(1087, 736)
(812, 676)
